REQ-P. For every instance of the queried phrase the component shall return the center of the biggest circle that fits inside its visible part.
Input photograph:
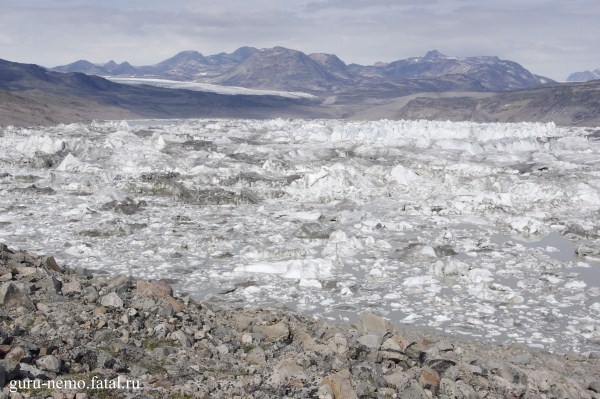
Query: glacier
(486, 231)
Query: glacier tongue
(481, 230)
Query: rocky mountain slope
(493, 73)
(184, 66)
(114, 336)
(286, 69)
(564, 104)
(30, 94)
(282, 69)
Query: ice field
(487, 231)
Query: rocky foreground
(70, 333)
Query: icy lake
(487, 231)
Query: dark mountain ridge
(280, 68)
(53, 96)
(31, 95)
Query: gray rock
(223, 349)
(257, 356)
(11, 368)
(594, 386)
(3, 376)
(90, 294)
(165, 309)
(284, 371)
(143, 303)
(49, 363)
(51, 264)
(161, 330)
(182, 338)
(393, 348)
(31, 372)
(154, 288)
(72, 287)
(340, 385)
(371, 341)
(275, 332)
(12, 296)
(374, 324)
(94, 358)
(5, 336)
(111, 300)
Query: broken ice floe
(482, 230)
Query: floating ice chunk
(575, 285)
(371, 242)
(450, 267)
(80, 250)
(467, 147)
(71, 164)
(495, 292)
(309, 282)
(479, 275)
(405, 176)
(45, 144)
(419, 281)
(335, 178)
(110, 194)
(376, 271)
(411, 318)
(297, 269)
(573, 143)
(123, 139)
(527, 225)
(339, 245)
(158, 141)
(314, 215)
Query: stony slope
(72, 324)
(564, 104)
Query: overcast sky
(549, 37)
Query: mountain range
(435, 86)
(32, 95)
(584, 76)
(281, 68)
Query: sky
(551, 38)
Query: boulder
(49, 363)
(11, 296)
(274, 332)
(154, 288)
(374, 324)
(72, 287)
(340, 385)
(51, 264)
(285, 371)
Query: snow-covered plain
(482, 230)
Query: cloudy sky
(549, 37)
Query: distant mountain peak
(434, 55)
(584, 76)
